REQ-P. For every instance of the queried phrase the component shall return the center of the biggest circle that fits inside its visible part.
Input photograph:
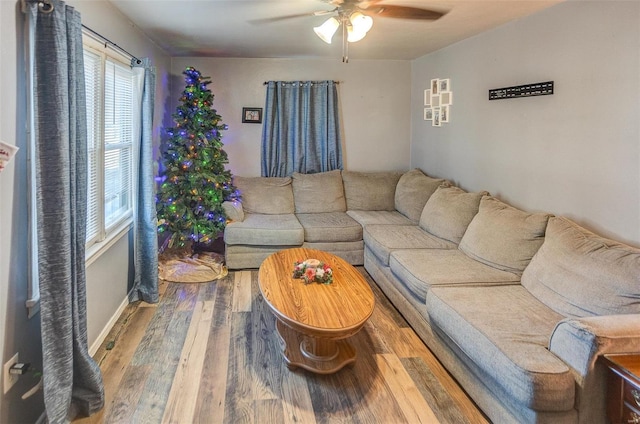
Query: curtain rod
(267, 82)
(107, 41)
(46, 6)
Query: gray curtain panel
(72, 382)
(145, 286)
(301, 130)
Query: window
(112, 125)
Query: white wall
(575, 153)
(108, 279)
(374, 101)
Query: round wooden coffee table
(313, 320)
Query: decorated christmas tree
(194, 181)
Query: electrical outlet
(9, 379)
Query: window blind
(110, 96)
(93, 84)
(118, 141)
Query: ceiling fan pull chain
(345, 43)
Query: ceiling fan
(356, 18)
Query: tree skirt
(202, 267)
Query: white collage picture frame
(434, 87)
(446, 98)
(438, 99)
(427, 98)
(444, 113)
(437, 119)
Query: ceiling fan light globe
(327, 29)
(353, 35)
(361, 22)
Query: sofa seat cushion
(321, 192)
(502, 236)
(449, 211)
(265, 195)
(383, 239)
(365, 218)
(329, 227)
(340, 246)
(412, 192)
(265, 230)
(350, 251)
(370, 191)
(580, 274)
(243, 256)
(505, 330)
(420, 269)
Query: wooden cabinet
(623, 388)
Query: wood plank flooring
(208, 353)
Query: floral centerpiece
(313, 271)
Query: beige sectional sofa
(517, 306)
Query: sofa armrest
(579, 341)
(233, 210)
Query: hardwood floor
(207, 353)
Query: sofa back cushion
(370, 191)
(502, 236)
(265, 195)
(412, 192)
(580, 274)
(321, 192)
(449, 211)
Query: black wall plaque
(527, 90)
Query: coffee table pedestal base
(319, 355)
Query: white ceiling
(223, 28)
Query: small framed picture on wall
(446, 98)
(444, 113)
(428, 114)
(436, 122)
(444, 85)
(252, 115)
(434, 87)
(427, 97)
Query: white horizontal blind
(118, 141)
(93, 83)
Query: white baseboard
(107, 328)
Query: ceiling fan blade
(280, 18)
(294, 16)
(324, 12)
(404, 12)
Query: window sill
(94, 252)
